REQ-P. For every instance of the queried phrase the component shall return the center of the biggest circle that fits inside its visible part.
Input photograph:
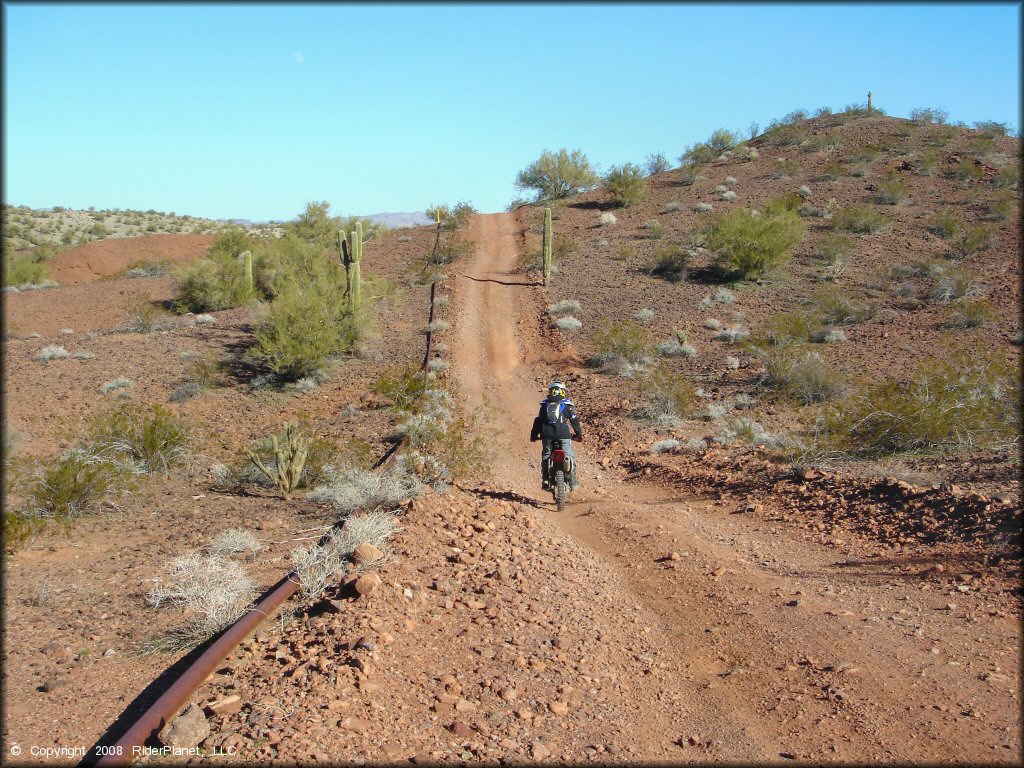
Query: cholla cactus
(290, 460)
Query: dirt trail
(780, 650)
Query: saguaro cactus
(247, 255)
(352, 255)
(869, 101)
(547, 245)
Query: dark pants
(548, 445)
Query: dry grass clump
(666, 398)
(835, 307)
(349, 489)
(52, 352)
(862, 219)
(234, 541)
(568, 323)
(149, 439)
(563, 307)
(121, 382)
(799, 373)
(670, 261)
(318, 564)
(970, 314)
(213, 591)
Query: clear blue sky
(250, 111)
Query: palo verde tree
(557, 175)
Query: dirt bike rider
(557, 413)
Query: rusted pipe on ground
(167, 706)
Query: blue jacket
(565, 414)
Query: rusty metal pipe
(167, 706)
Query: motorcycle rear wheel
(560, 490)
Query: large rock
(367, 584)
(187, 730)
(365, 553)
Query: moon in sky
(299, 58)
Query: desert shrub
(993, 128)
(973, 239)
(401, 386)
(943, 223)
(453, 247)
(454, 217)
(626, 184)
(732, 334)
(302, 329)
(704, 208)
(860, 219)
(606, 219)
(644, 315)
(147, 268)
(1001, 206)
(954, 285)
(665, 446)
(929, 116)
(113, 385)
(675, 348)
(75, 483)
(231, 243)
(673, 206)
(654, 228)
(213, 591)
(747, 246)
(349, 489)
(206, 371)
(785, 167)
(712, 324)
(52, 352)
(1008, 177)
(146, 317)
(563, 246)
(890, 192)
(727, 195)
(724, 296)
(802, 374)
(210, 284)
(618, 344)
(827, 335)
(970, 314)
(148, 438)
(788, 327)
(24, 271)
(657, 163)
(748, 432)
(835, 245)
(557, 175)
(666, 397)
(688, 174)
(967, 169)
(234, 541)
(568, 323)
(837, 308)
(953, 404)
(787, 203)
(832, 171)
(670, 261)
(563, 307)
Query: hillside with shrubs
(840, 291)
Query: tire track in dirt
(778, 654)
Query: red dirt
(106, 258)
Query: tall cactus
(869, 101)
(247, 255)
(547, 245)
(352, 255)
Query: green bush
(401, 386)
(943, 223)
(835, 245)
(454, 217)
(801, 374)
(230, 243)
(929, 116)
(625, 339)
(24, 270)
(787, 328)
(974, 239)
(834, 307)
(787, 203)
(657, 163)
(970, 314)
(146, 438)
(860, 219)
(890, 192)
(704, 152)
(302, 329)
(747, 246)
(1001, 206)
(670, 261)
(554, 176)
(290, 262)
(626, 183)
(968, 170)
(666, 397)
(955, 404)
(211, 284)
(453, 247)
(78, 481)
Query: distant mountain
(391, 220)
(401, 220)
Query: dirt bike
(560, 468)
